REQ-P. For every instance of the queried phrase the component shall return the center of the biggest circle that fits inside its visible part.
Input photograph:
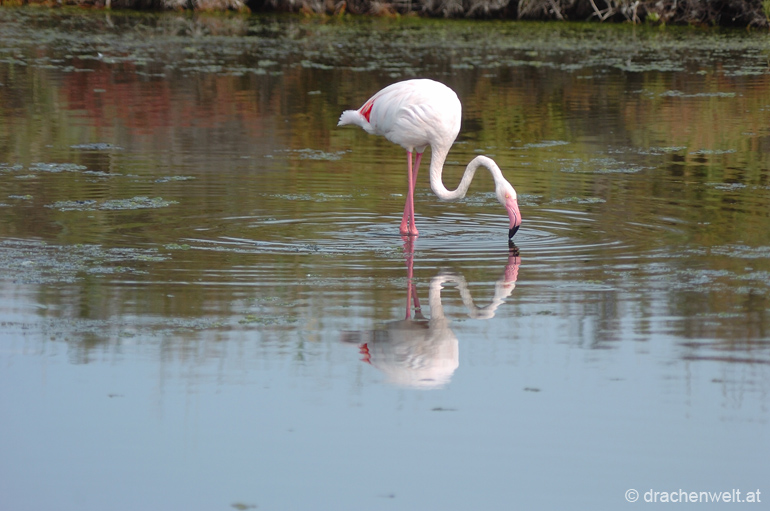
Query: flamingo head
(507, 197)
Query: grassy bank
(746, 13)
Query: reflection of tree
(236, 113)
(421, 352)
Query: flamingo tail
(353, 117)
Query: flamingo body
(419, 113)
(413, 114)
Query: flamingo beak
(512, 206)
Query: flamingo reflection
(422, 352)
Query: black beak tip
(512, 231)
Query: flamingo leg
(408, 226)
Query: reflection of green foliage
(660, 134)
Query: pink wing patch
(366, 110)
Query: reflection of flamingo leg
(409, 302)
(411, 291)
(417, 308)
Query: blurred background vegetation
(744, 13)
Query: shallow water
(206, 303)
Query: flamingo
(419, 113)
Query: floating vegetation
(314, 154)
(254, 319)
(168, 179)
(600, 166)
(119, 328)
(690, 278)
(543, 144)
(136, 203)
(111, 205)
(99, 146)
(727, 187)
(659, 151)
(633, 169)
(579, 200)
(57, 167)
(194, 324)
(36, 262)
(74, 205)
(177, 246)
(709, 152)
(742, 251)
(294, 196)
(98, 173)
(680, 94)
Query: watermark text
(680, 495)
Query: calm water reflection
(205, 302)
(423, 352)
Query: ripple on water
(550, 238)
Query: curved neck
(503, 290)
(438, 157)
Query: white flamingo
(416, 114)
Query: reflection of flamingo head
(512, 268)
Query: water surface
(206, 303)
